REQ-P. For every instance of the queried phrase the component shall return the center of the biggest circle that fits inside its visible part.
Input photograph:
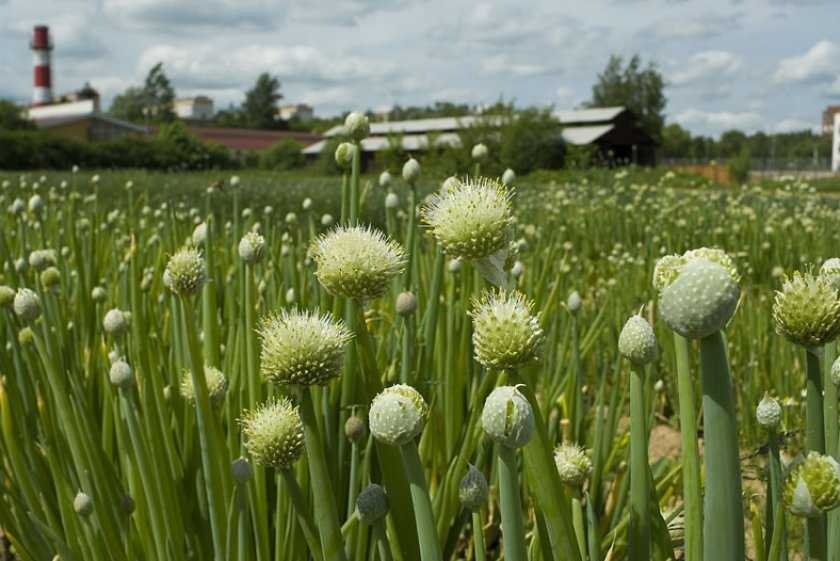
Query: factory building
(614, 131)
(198, 108)
(76, 115)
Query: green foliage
(152, 102)
(282, 156)
(676, 142)
(739, 167)
(531, 141)
(129, 105)
(261, 103)
(639, 89)
(12, 118)
(173, 149)
(158, 95)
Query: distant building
(299, 111)
(198, 108)
(413, 134)
(249, 140)
(613, 130)
(828, 118)
(81, 120)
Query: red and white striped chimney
(41, 47)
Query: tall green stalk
(326, 513)
(478, 537)
(723, 528)
(430, 549)
(832, 440)
(212, 445)
(692, 490)
(513, 530)
(639, 543)
(815, 442)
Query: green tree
(12, 117)
(639, 89)
(283, 155)
(158, 96)
(731, 143)
(129, 105)
(261, 103)
(676, 142)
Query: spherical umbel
(274, 433)
(302, 347)
(357, 262)
(372, 504)
(508, 177)
(573, 464)
(507, 417)
(807, 310)
(411, 171)
(344, 154)
(83, 504)
(185, 272)
(768, 413)
(813, 487)
(397, 415)
(471, 219)
(505, 332)
(27, 305)
(115, 322)
(473, 490)
(251, 247)
(637, 342)
(217, 385)
(700, 300)
(357, 126)
(667, 268)
(479, 152)
(406, 304)
(121, 374)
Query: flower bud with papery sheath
(637, 342)
(507, 417)
(473, 490)
(397, 415)
(372, 504)
(701, 300)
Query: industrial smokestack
(41, 47)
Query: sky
(770, 65)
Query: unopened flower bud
(507, 417)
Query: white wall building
(299, 111)
(198, 108)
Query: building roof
(587, 116)
(581, 136)
(416, 126)
(410, 143)
(250, 139)
(59, 120)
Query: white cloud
(260, 14)
(720, 120)
(793, 125)
(502, 64)
(821, 63)
(694, 27)
(215, 66)
(566, 97)
(707, 66)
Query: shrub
(739, 166)
(283, 155)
